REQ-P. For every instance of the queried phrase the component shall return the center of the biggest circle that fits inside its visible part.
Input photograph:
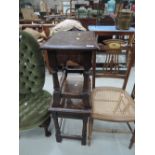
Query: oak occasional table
(71, 96)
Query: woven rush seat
(33, 109)
(112, 104)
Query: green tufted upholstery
(31, 65)
(34, 102)
(33, 109)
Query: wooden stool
(71, 97)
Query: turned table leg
(84, 130)
(57, 127)
(52, 56)
(86, 84)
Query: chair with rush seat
(33, 101)
(111, 103)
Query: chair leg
(45, 125)
(132, 141)
(84, 131)
(129, 126)
(90, 130)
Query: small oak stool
(72, 53)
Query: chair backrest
(31, 65)
(116, 61)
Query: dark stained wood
(72, 41)
(45, 125)
(132, 141)
(71, 108)
(72, 137)
(56, 123)
(71, 98)
(133, 92)
(56, 85)
(84, 130)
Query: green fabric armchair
(33, 101)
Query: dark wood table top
(72, 40)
